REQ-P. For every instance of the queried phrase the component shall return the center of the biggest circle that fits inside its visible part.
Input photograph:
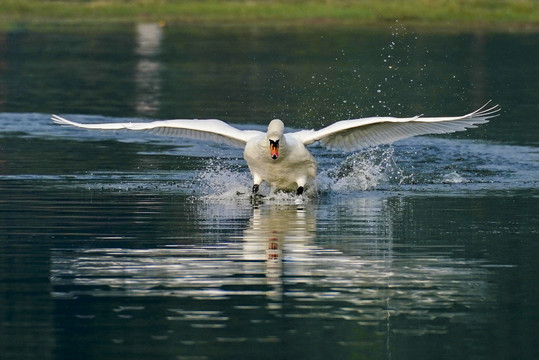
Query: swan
(282, 159)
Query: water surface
(117, 245)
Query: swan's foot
(299, 191)
(257, 199)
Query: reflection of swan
(288, 255)
(275, 232)
(282, 160)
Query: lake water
(121, 245)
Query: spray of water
(365, 170)
(221, 179)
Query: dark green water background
(132, 246)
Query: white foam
(361, 171)
(221, 181)
(453, 178)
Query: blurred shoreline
(435, 15)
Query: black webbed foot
(256, 198)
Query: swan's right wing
(208, 130)
(358, 133)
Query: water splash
(223, 183)
(420, 164)
(453, 178)
(221, 179)
(362, 171)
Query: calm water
(119, 245)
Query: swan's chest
(296, 162)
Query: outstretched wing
(211, 130)
(359, 133)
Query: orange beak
(274, 149)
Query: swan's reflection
(343, 266)
(273, 233)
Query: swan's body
(293, 166)
(282, 160)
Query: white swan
(281, 159)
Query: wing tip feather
(57, 119)
(486, 113)
(61, 121)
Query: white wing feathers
(346, 134)
(360, 133)
(212, 130)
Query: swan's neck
(275, 142)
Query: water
(121, 245)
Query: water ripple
(278, 258)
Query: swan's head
(275, 134)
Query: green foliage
(444, 13)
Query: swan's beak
(274, 149)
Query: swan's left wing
(211, 130)
(360, 133)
